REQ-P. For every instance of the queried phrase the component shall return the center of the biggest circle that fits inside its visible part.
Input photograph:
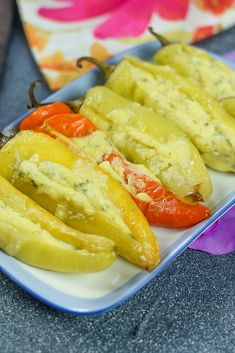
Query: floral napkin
(59, 31)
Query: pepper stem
(164, 41)
(195, 196)
(106, 69)
(76, 104)
(5, 136)
(33, 101)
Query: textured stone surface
(189, 308)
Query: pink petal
(78, 10)
(172, 9)
(220, 237)
(129, 20)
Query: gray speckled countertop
(189, 308)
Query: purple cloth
(230, 55)
(219, 239)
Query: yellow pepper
(78, 192)
(34, 236)
(229, 104)
(214, 76)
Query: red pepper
(164, 209)
(42, 111)
(39, 115)
(75, 125)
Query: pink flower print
(132, 18)
(128, 18)
(78, 10)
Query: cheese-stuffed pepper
(34, 236)
(216, 77)
(147, 138)
(79, 192)
(181, 102)
(159, 206)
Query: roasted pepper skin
(147, 138)
(138, 244)
(36, 118)
(165, 209)
(213, 134)
(89, 253)
(214, 76)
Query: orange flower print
(205, 32)
(64, 70)
(37, 38)
(99, 52)
(57, 62)
(217, 7)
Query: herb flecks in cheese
(80, 192)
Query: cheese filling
(80, 192)
(139, 147)
(215, 77)
(168, 100)
(96, 145)
(16, 230)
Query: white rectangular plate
(99, 292)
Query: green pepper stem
(33, 101)
(106, 69)
(164, 41)
(76, 105)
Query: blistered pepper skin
(138, 244)
(34, 236)
(182, 102)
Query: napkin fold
(59, 31)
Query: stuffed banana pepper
(159, 206)
(147, 138)
(180, 101)
(214, 76)
(79, 192)
(34, 236)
